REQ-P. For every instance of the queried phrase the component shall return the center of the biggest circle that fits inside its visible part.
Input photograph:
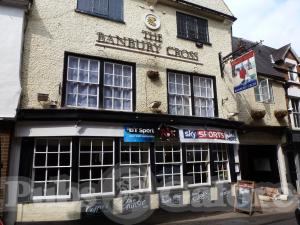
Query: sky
(274, 21)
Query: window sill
(99, 16)
(196, 41)
(179, 188)
(199, 185)
(143, 191)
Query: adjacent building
(12, 23)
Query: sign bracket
(225, 59)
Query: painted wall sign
(142, 133)
(208, 135)
(245, 72)
(96, 208)
(152, 44)
(171, 199)
(200, 196)
(134, 203)
(152, 21)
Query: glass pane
(93, 90)
(83, 89)
(109, 68)
(107, 103)
(84, 64)
(72, 74)
(108, 79)
(127, 71)
(127, 105)
(94, 77)
(40, 174)
(94, 66)
(127, 94)
(71, 99)
(117, 104)
(93, 102)
(83, 76)
(41, 145)
(118, 69)
(64, 159)
(108, 92)
(72, 88)
(73, 62)
(118, 81)
(82, 100)
(172, 88)
(64, 188)
(117, 93)
(127, 82)
(172, 77)
(52, 145)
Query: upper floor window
(296, 112)
(192, 28)
(110, 9)
(191, 95)
(264, 91)
(98, 84)
(293, 75)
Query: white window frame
(100, 167)
(207, 97)
(293, 74)
(131, 164)
(181, 95)
(164, 163)
(46, 167)
(77, 82)
(296, 112)
(195, 162)
(122, 88)
(221, 148)
(260, 96)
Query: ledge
(68, 114)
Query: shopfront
(125, 169)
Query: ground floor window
(107, 166)
(135, 167)
(168, 165)
(220, 162)
(52, 168)
(198, 164)
(96, 166)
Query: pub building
(123, 110)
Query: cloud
(274, 21)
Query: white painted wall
(11, 44)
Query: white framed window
(296, 112)
(191, 92)
(220, 162)
(168, 165)
(203, 96)
(198, 164)
(179, 94)
(135, 167)
(51, 175)
(82, 82)
(117, 87)
(86, 77)
(264, 91)
(293, 75)
(96, 167)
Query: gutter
(211, 11)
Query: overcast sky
(274, 21)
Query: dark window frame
(206, 42)
(99, 15)
(101, 79)
(216, 110)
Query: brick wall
(5, 143)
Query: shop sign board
(244, 196)
(208, 135)
(135, 203)
(143, 133)
(245, 73)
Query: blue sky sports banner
(139, 134)
(245, 72)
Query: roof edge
(212, 11)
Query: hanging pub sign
(245, 74)
(143, 133)
(208, 135)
